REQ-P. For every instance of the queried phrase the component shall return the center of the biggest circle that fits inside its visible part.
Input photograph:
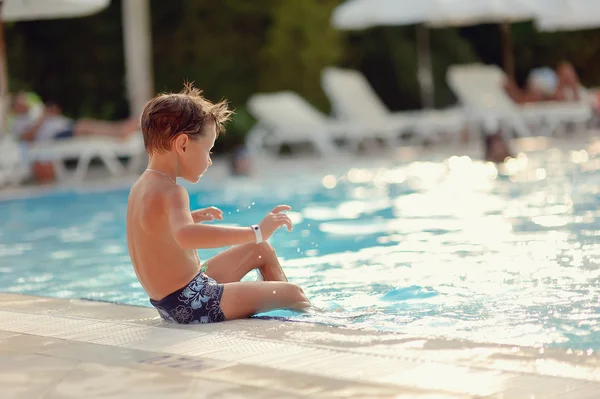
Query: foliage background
(234, 48)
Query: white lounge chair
(550, 117)
(353, 99)
(13, 168)
(286, 118)
(480, 89)
(486, 107)
(84, 150)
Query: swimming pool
(448, 248)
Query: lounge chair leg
(112, 164)
(521, 129)
(82, 166)
(324, 148)
(59, 169)
(255, 140)
(581, 126)
(386, 142)
(555, 128)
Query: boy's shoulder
(154, 192)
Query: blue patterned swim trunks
(198, 302)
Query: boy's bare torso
(160, 264)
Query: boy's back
(160, 264)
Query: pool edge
(269, 357)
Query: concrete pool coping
(63, 348)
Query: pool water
(452, 248)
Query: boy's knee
(299, 293)
(265, 249)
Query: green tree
(215, 45)
(388, 57)
(76, 62)
(300, 43)
(234, 48)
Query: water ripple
(452, 248)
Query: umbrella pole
(137, 44)
(507, 51)
(3, 76)
(424, 69)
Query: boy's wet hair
(169, 115)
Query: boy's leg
(234, 263)
(242, 300)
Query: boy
(163, 234)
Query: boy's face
(196, 159)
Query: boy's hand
(207, 214)
(275, 220)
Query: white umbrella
(26, 10)
(29, 10)
(563, 15)
(470, 12)
(362, 14)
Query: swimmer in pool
(163, 234)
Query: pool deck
(58, 348)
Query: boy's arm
(190, 235)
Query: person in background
(546, 84)
(240, 162)
(52, 124)
(496, 148)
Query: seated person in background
(545, 84)
(496, 148)
(52, 124)
(240, 163)
(569, 86)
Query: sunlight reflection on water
(453, 248)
